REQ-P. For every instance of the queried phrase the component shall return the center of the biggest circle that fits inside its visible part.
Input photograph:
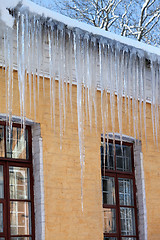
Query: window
(119, 192)
(16, 184)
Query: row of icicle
(73, 56)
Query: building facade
(70, 90)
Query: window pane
(1, 217)
(127, 221)
(1, 238)
(109, 159)
(110, 220)
(110, 238)
(2, 148)
(20, 238)
(1, 182)
(17, 147)
(108, 190)
(123, 158)
(19, 183)
(20, 218)
(128, 238)
(126, 191)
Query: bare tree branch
(134, 18)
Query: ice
(70, 55)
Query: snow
(5, 17)
(46, 13)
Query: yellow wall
(62, 177)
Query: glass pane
(123, 158)
(20, 238)
(109, 159)
(1, 217)
(127, 221)
(2, 148)
(1, 238)
(20, 218)
(19, 183)
(108, 190)
(17, 147)
(110, 238)
(110, 220)
(128, 238)
(1, 182)
(126, 191)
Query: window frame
(116, 174)
(16, 162)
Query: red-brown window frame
(120, 174)
(17, 162)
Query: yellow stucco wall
(64, 218)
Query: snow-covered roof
(26, 5)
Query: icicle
(94, 78)
(125, 75)
(119, 61)
(23, 75)
(37, 29)
(129, 67)
(43, 56)
(153, 98)
(89, 81)
(156, 104)
(144, 100)
(106, 83)
(62, 38)
(28, 56)
(70, 56)
(18, 61)
(85, 67)
(58, 48)
(102, 101)
(10, 79)
(133, 73)
(112, 89)
(79, 108)
(50, 67)
(33, 63)
(140, 92)
(53, 56)
(137, 94)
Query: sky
(46, 3)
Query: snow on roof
(25, 5)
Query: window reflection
(1, 217)
(20, 238)
(127, 221)
(108, 190)
(20, 218)
(110, 220)
(126, 191)
(108, 158)
(110, 238)
(123, 158)
(1, 182)
(17, 145)
(19, 183)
